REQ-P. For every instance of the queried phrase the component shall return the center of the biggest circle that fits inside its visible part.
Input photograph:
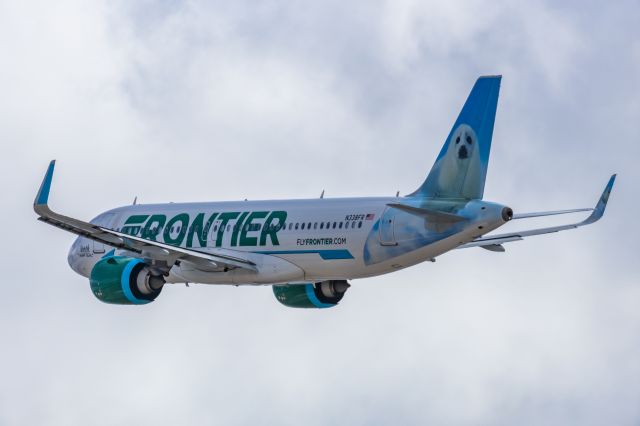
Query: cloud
(177, 101)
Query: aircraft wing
(138, 247)
(494, 242)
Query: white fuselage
(308, 240)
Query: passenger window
(290, 226)
(302, 227)
(297, 225)
(334, 225)
(321, 225)
(309, 225)
(353, 225)
(340, 226)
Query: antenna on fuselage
(397, 194)
(135, 200)
(322, 194)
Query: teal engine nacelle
(325, 294)
(124, 281)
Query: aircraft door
(98, 247)
(387, 235)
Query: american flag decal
(370, 216)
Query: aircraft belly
(271, 270)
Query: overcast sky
(208, 100)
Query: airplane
(307, 249)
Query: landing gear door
(387, 235)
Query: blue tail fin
(461, 167)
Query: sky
(211, 100)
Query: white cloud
(192, 100)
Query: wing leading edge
(138, 247)
(494, 242)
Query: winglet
(43, 194)
(598, 211)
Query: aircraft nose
(71, 256)
(74, 259)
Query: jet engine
(324, 294)
(125, 281)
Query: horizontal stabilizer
(551, 213)
(487, 242)
(598, 211)
(494, 247)
(431, 215)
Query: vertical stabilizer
(461, 167)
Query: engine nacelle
(124, 281)
(325, 294)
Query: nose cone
(72, 257)
(76, 262)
